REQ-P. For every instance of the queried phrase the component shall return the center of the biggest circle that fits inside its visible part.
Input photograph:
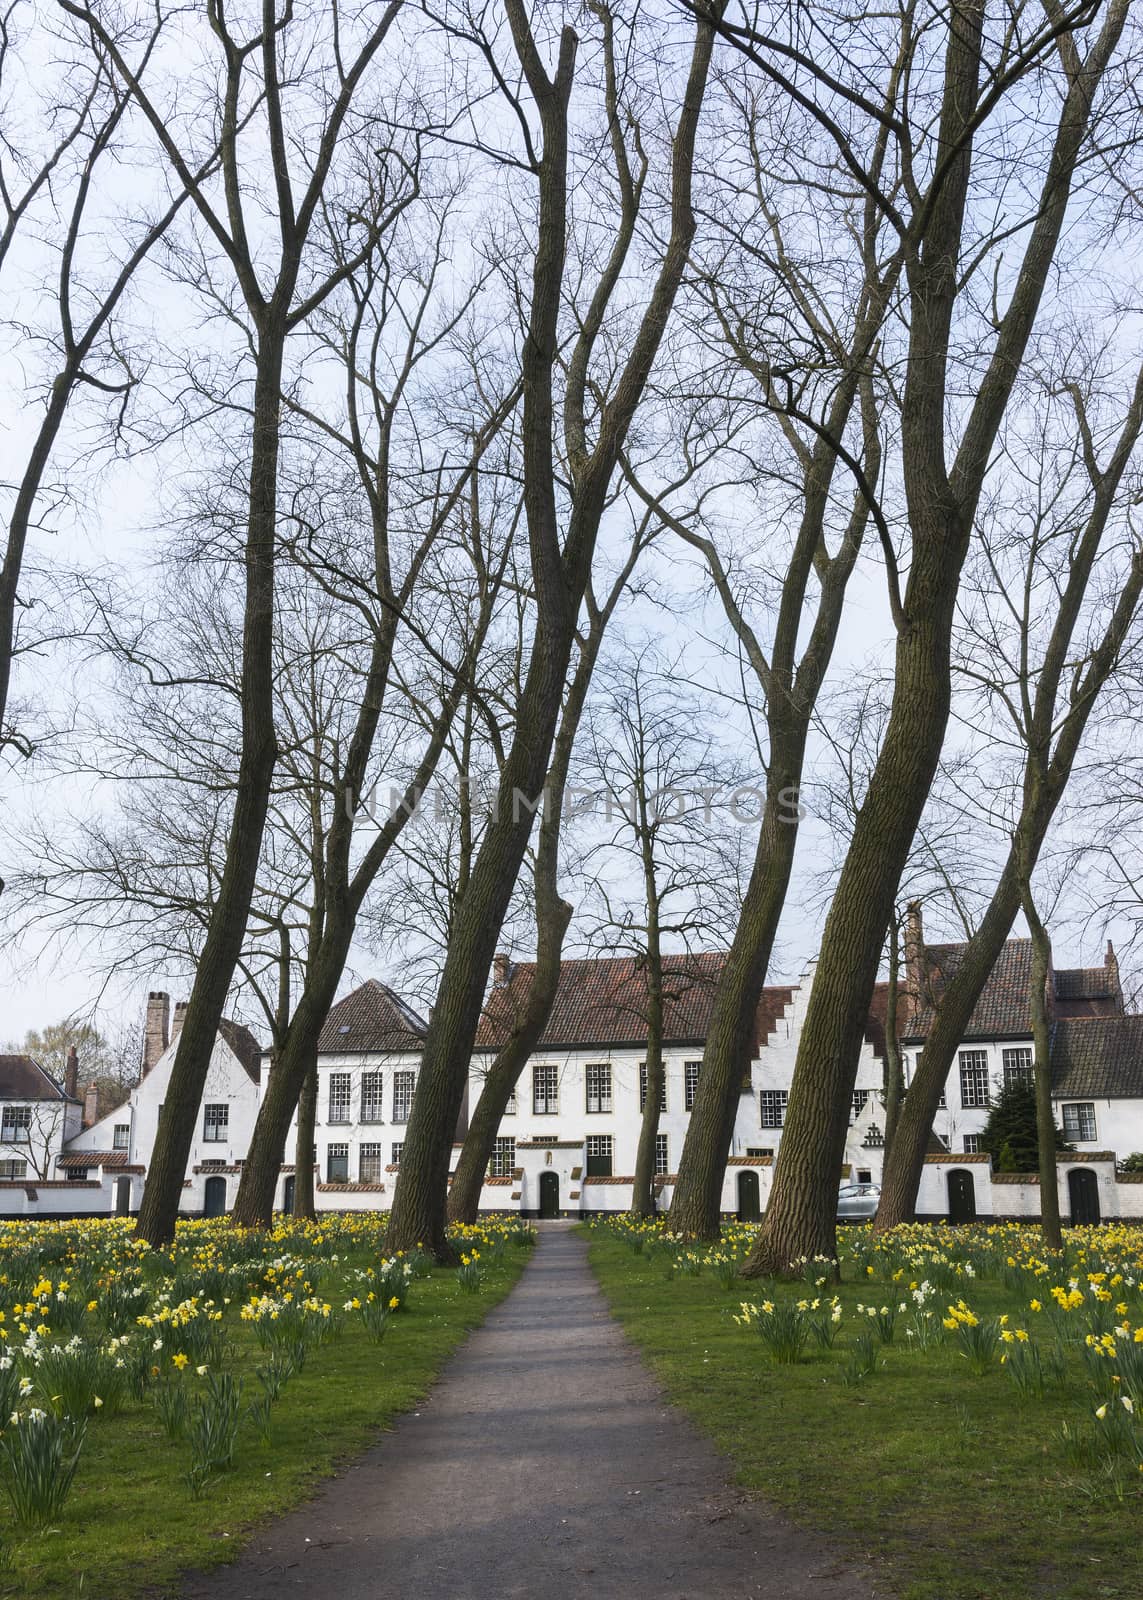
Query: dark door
(123, 1197)
(214, 1198)
(962, 1196)
(288, 1196)
(748, 1208)
(1083, 1196)
(549, 1194)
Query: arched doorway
(549, 1194)
(1083, 1196)
(214, 1198)
(962, 1196)
(123, 1197)
(749, 1209)
(288, 1196)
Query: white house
(369, 1054)
(37, 1117)
(118, 1147)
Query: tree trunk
(894, 1072)
(227, 926)
(304, 1148)
(510, 1060)
(642, 1204)
(1042, 1068)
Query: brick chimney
(914, 957)
(155, 1032)
(71, 1074)
(178, 1018)
(501, 968)
(91, 1105)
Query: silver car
(857, 1202)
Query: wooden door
(1083, 1196)
(749, 1208)
(962, 1196)
(549, 1194)
(214, 1198)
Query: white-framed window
(599, 1147)
(16, 1125)
(545, 1090)
(690, 1083)
(971, 1144)
(215, 1123)
(1079, 1121)
(121, 1136)
(510, 1108)
(598, 1087)
(369, 1163)
(397, 1148)
(759, 1150)
(860, 1096)
(503, 1161)
(974, 1078)
(643, 1087)
(662, 1155)
(340, 1096)
(372, 1104)
(1017, 1065)
(18, 1168)
(76, 1175)
(404, 1084)
(943, 1102)
(772, 1105)
(337, 1163)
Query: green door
(214, 1198)
(1083, 1196)
(962, 1196)
(549, 1194)
(749, 1209)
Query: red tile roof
(603, 1001)
(371, 1019)
(1001, 1010)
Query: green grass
(949, 1483)
(130, 1524)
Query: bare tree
(604, 383)
(961, 93)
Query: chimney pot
(501, 967)
(178, 1019)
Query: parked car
(857, 1202)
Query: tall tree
(302, 120)
(599, 399)
(942, 176)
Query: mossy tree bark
(1042, 1071)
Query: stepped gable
(370, 1020)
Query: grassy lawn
(951, 1482)
(131, 1522)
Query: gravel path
(546, 1462)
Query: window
(759, 1150)
(772, 1104)
(973, 1078)
(1017, 1065)
(215, 1124)
(16, 1126)
(860, 1096)
(121, 1136)
(19, 1169)
(372, 1106)
(369, 1163)
(510, 1108)
(943, 1102)
(864, 1175)
(397, 1148)
(337, 1163)
(599, 1155)
(503, 1158)
(662, 1156)
(339, 1096)
(643, 1087)
(690, 1083)
(971, 1144)
(403, 1085)
(599, 1087)
(1079, 1120)
(545, 1091)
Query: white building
(37, 1117)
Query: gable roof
(244, 1046)
(602, 1001)
(1098, 1057)
(21, 1078)
(1001, 1010)
(371, 1018)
